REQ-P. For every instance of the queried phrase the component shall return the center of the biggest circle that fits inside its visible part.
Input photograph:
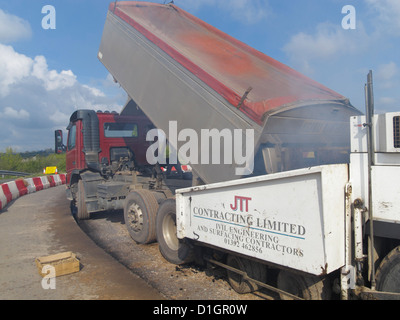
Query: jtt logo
(239, 202)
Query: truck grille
(396, 131)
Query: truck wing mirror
(59, 145)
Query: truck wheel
(82, 213)
(254, 270)
(388, 273)
(174, 250)
(140, 209)
(306, 287)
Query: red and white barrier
(184, 167)
(30, 185)
(14, 189)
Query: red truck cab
(101, 141)
(104, 152)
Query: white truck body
(386, 169)
(294, 219)
(297, 219)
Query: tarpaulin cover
(227, 65)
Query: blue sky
(47, 74)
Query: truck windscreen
(120, 130)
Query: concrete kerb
(14, 189)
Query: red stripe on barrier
(7, 192)
(51, 180)
(63, 178)
(23, 190)
(38, 183)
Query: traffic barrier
(6, 192)
(184, 167)
(30, 185)
(45, 182)
(5, 195)
(51, 181)
(57, 180)
(38, 183)
(14, 189)
(21, 186)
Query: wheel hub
(135, 215)
(169, 231)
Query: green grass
(12, 161)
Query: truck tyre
(306, 287)
(82, 213)
(174, 250)
(254, 270)
(388, 273)
(140, 209)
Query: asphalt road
(113, 265)
(41, 224)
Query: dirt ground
(192, 282)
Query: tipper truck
(309, 211)
(103, 151)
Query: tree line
(34, 163)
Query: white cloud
(387, 19)
(330, 41)
(13, 67)
(35, 100)
(11, 114)
(387, 72)
(248, 11)
(386, 81)
(340, 58)
(94, 91)
(244, 11)
(195, 4)
(13, 28)
(59, 118)
(387, 101)
(52, 79)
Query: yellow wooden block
(63, 263)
